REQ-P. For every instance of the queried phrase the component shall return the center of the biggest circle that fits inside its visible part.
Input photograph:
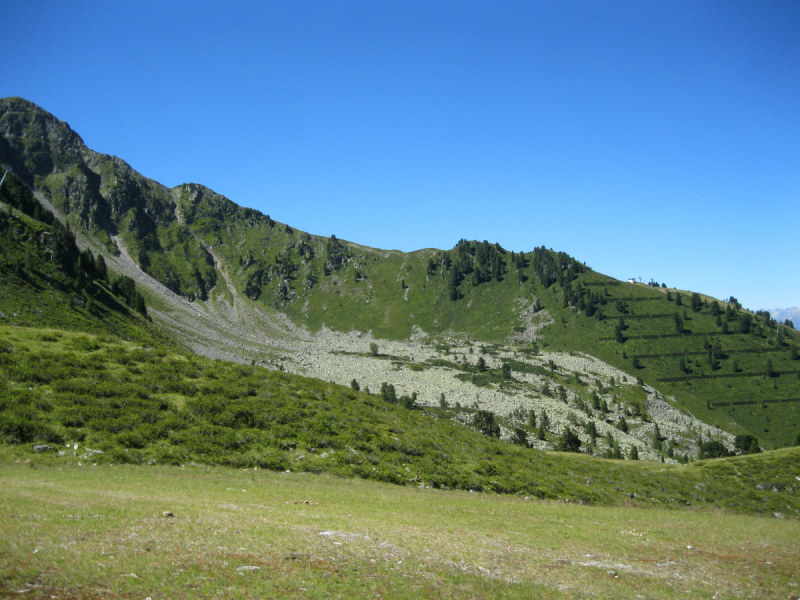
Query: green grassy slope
(188, 236)
(242, 533)
(100, 377)
(724, 380)
(47, 282)
(82, 393)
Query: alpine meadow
(197, 400)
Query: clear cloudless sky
(656, 139)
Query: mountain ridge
(229, 281)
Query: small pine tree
(545, 420)
(520, 437)
(484, 421)
(388, 393)
(678, 322)
(569, 441)
(354, 385)
(696, 302)
(101, 269)
(634, 453)
(139, 305)
(591, 431)
(769, 371)
(373, 348)
(30, 264)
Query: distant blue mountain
(781, 314)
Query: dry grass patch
(100, 532)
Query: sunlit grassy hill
(251, 275)
(83, 397)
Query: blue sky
(649, 139)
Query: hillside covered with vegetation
(728, 367)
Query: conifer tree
(696, 302)
(520, 437)
(569, 441)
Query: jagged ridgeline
(186, 236)
(729, 367)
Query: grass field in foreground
(100, 532)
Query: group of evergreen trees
(584, 299)
(389, 395)
(58, 245)
(482, 262)
(555, 267)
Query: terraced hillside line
(724, 376)
(660, 336)
(755, 402)
(637, 298)
(634, 317)
(726, 351)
